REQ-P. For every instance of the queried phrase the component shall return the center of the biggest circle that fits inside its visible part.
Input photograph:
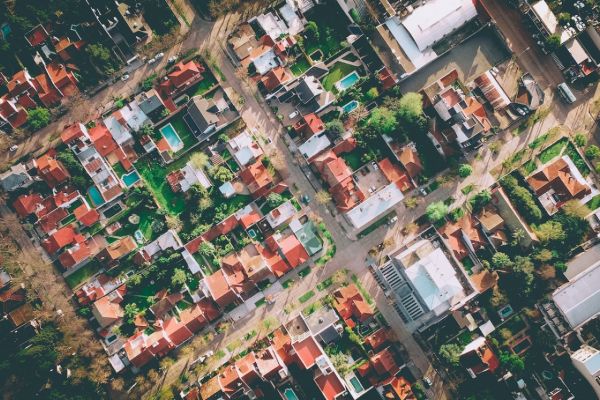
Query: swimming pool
(351, 106)
(173, 139)
(139, 236)
(131, 178)
(290, 394)
(358, 387)
(347, 81)
(96, 197)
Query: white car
(293, 115)
(151, 61)
(125, 77)
(13, 148)
(158, 56)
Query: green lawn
(304, 272)
(353, 158)
(154, 177)
(594, 203)
(325, 284)
(145, 225)
(300, 66)
(337, 72)
(529, 167)
(204, 85)
(119, 170)
(184, 133)
(552, 151)
(306, 296)
(83, 274)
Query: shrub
(465, 170)
(580, 140)
(522, 198)
(436, 211)
(38, 118)
(372, 94)
(592, 152)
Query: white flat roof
(579, 299)
(437, 18)
(547, 17)
(314, 145)
(375, 206)
(434, 278)
(577, 51)
(417, 57)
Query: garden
(326, 30)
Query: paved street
(350, 254)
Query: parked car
(151, 61)
(427, 382)
(172, 59)
(13, 148)
(125, 77)
(305, 199)
(158, 56)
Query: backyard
(332, 26)
(564, 147)
(338, 71)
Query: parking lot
(470, 58)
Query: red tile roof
(47, 93)
(219, 288)
(307, 351)
(276, 77)
(16, 117)
(71, 133)
(26, 204)
(293, 251)
(330, 386)
(59, 239)
(50, 169)
(282, 343)
(394, 174)
(87, 216)
(349, 303)
(185, 73)
(309, 125)
(384, 362)
(20, 82)
(177, 331)
(50, 219)
(257, 178)
(230, 380)
(411, 161)
(37, 35)
(377, 339)
(398, 388)
(75, 255)
(386, 78)
(558, 176)
(102, 139)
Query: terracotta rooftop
(330, 386)
(307, 351)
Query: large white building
(579, 299)
(587, 362)
(427, 25)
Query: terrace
(369, 178)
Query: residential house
(107, 310)
(151, 104)
(244, 149)
(16, 177)
(61, 238)
(409, 158)
(12, 115)
(397, 388)
(183, 179)
(182, 76)
(97, 287)
(477, 358)
(351, 306)
(338, 176)
(463, 237)
(117, 250)
(312, 95)
(243, 40)
(205, 117)
(557, 183)
(308, 235)
(274, 80)
(50, 169)
(309, 125)
(289, 249)
(281, 214)
(257, 179)
(313, 146)
(78, 254)
(86, 215)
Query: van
(565, 93)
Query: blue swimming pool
(290, 394)
(131, 178)
(347, 81)
(173, 139)
(351, 106)
(96, 196)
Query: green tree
(552, 43)
(38, 118)
(550, 231)
(100, 56)
(411, 106)
(543, 255)
(501, 261)
(207, 249)
(480, 200)
(465, 170)
(221, 174)
(580, 140)
(522, 198)
(274, 200)
(574, 208)
(436, 211)
(372, 94)
(592, 152)
(311, 29)
(383, 121)
(575, 230)
(130, 312)
(335, 127)
(179, 278)
(512, 362)
(199, 160)
(450, 352)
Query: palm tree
(322, 197)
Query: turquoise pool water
(139, 236)
(131, 178)
(347, 81)
(349, 107)
(290, 394)
(96, 196)
(358, 387)
(173, 139)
